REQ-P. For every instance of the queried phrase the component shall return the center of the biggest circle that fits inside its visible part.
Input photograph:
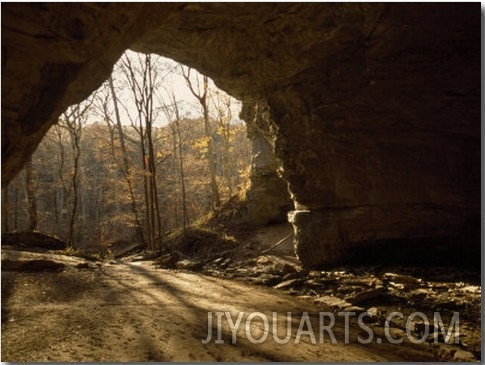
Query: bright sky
(172, 79)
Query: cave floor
(136, 312)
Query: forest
(153, 150)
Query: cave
(372, 111)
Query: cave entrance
(156, 147)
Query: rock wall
(375, 108)
(397, 126)
(267, 198)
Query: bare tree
(123, 166)
(31, 198)
(200, 93)
(5, 210)
(61, 200)
(105, 177)
(16, 205)
(174, 123)
(222, 106)
(73, 121)
(142, 80)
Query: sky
(172, 79)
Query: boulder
(33, 240)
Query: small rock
(440, 287)
(305, 297)
(377, 283)
(402, 279)
(464, 356)
(365, 282)
(267, 279)
(189, 265)
(242, 272)
(396, 285)
(419, 293)
(264, 261)
(339, 273)
(354, 308)
(167, 261)
(291, 275)
(314, 274)
(472, 289)
(367, 295)
(332, 302)
(349, 289)
(454, 339)
(225, 262)
(471, 342)
(281, 269)
(397, 332)
(314, 283)
(445, 352)
(420, 328)
(398, 322)
(139, 257)
(286, 284)
(329, 281)
(374, 312)
(435, 337)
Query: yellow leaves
(201, 144)
(221, 130)
(226, 132)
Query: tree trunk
(202, 98)
(125, 168)
(185, 218)
(5, 209)
(76, 156)
(16, 208)
(155, 207)
(31, 198)
(216, 201)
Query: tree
(5, 211)
(73, 121)
(142, 80)
(17, 193)
(222, 106)
(30, 190)
(177, 145)
(123, 166)
(200, 93)
(61, 197)
(129, 172)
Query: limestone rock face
(375, 108)
(267, 199)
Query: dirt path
(133, 312)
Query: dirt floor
(132, 310)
